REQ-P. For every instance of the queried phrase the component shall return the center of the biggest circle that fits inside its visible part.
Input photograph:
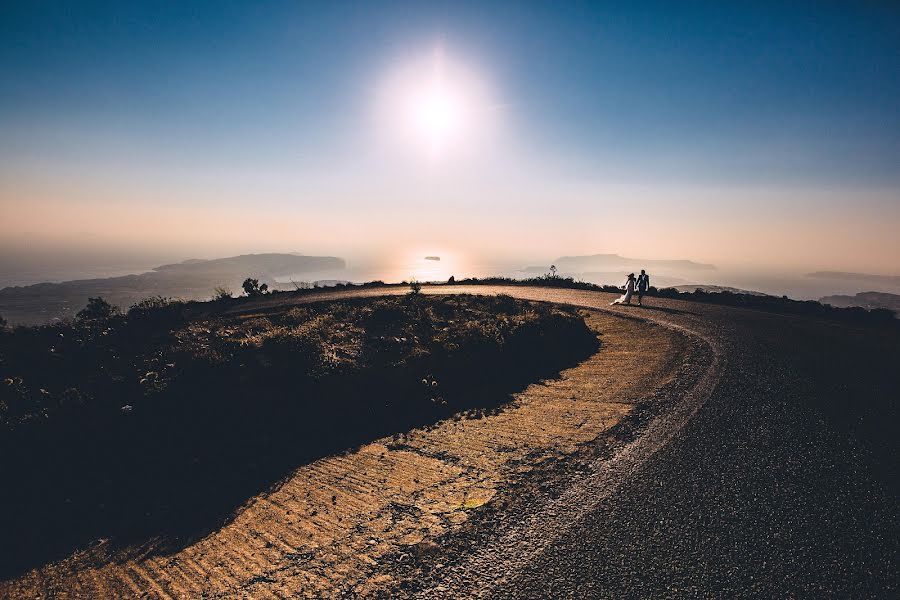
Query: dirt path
(353, 523)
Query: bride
(629, 292)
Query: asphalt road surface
(772, 478)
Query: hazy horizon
(21, 267)
(766, 141)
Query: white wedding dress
(629, 292)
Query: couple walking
(642, 284)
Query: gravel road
(745, 488)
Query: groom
(643, 284)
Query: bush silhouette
(155, 315)
(97, 309)
(253, 288)
(151, 304)
(221, 292)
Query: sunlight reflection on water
(419, 268)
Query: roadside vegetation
(152, 424)
(776, 304)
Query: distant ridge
(868, 300)
(272, 264)
(193, 279)
(610, 262)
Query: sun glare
(435, 108)
(437, 116)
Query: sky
(749, 134)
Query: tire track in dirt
(335, 525)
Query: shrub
(299, 349)
(150, 304)
(504, 304)
(253, 288)
(2, 323)
(156, 314)
(415, 288)
(221, 292)
(97, 309)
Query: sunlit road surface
(734, 487)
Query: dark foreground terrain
(151, 427)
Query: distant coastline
(193, 279)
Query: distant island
(613, 262)
(867, 300)
(611, 269)
(193, 279)
(433, 258)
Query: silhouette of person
(629, 291)
(643, 284)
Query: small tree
(2, 323)
(252, 287)
(415, 288)
(97, 309)
(552, 271)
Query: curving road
(746, 487)
(769, 469)
(771, 477)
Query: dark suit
(643, 284)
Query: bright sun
(435, 107)
(437, 115)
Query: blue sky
(595, 96)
